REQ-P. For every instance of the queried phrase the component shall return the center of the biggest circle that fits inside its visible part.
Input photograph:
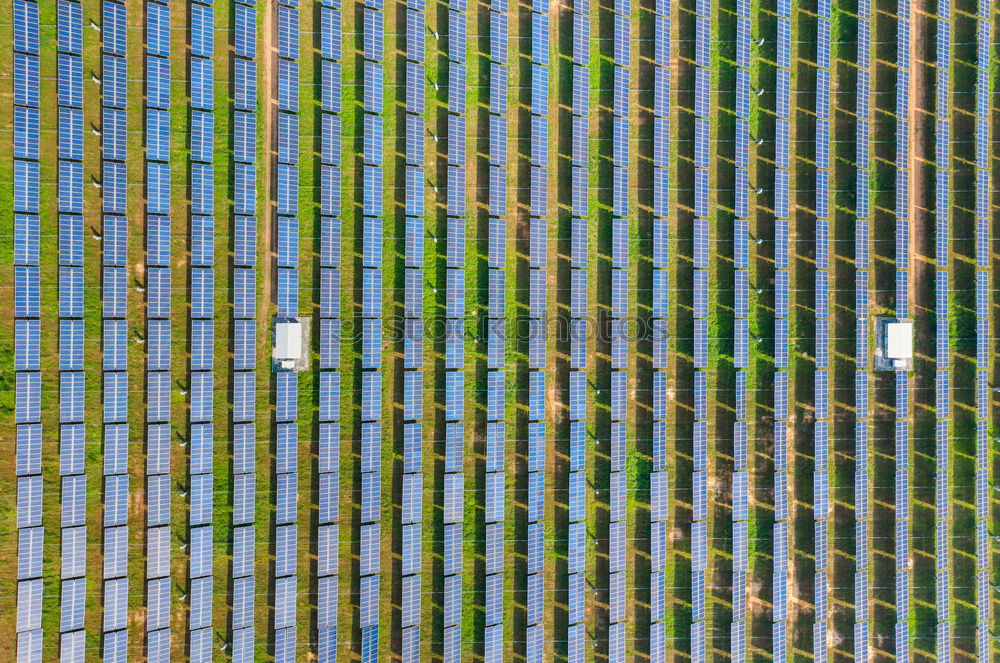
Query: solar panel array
(454, 399)
(117, 336)
(372, 76)
(902, 641)
(781, 301)
(822, 387)
(71, 326)
(286, 460)
(863, 277)
(413, 379)
(328, 568)
(495, 341)
(576, 534)
(621, 70)
(116, 377)
(659, 327)
(244, 332)
(943, 315)
(201, 239)
(159, 327)
(702, 245)
(537, 276)
(983, 399)
(27, 329)
(741, 260)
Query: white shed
(288, 340)
(899, 340)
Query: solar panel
(29, 553)
(26, 80)
(26, 239)
(288, 32)
(26, 133)
(245, 37)
(330, 33)
(26, 186)
(243, 559)
(329, 190)
(74, 500)
(158, 30)
(28, 454)
(69, 26)
(372, 34)
(245, 84)
(202, 138)
(158, 188)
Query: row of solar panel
(114, 186)
(329, 337)
(863, 527)
(741, 259)
(902, 411)
(536, 478)
(782, 111)
(983, 240)
(942, 308)
(286, 410)
(158, 384)
(539, 149)
(658, 478)
(244, 332)
(72, 384)
(27, 382)
(495, 377)
(741, 345)
(371, 392)
(455, 287)
(202, 234)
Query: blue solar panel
(26, 186)
(158, 29)
(158, 188)
(26, 240)
(70, 26)
(26, 133)
(202, 25)
(113, 28)
(288, 138)
(70, 187)
(288, 189)
(201, 83)
(245, 137)
(202, 293)
(372, 34)
(288, 84)
(330, 92)
(115, 84)
(245, 34)
(158, 292)
(202, 135)
(330, 33)
(157, 134)
(245, 84)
